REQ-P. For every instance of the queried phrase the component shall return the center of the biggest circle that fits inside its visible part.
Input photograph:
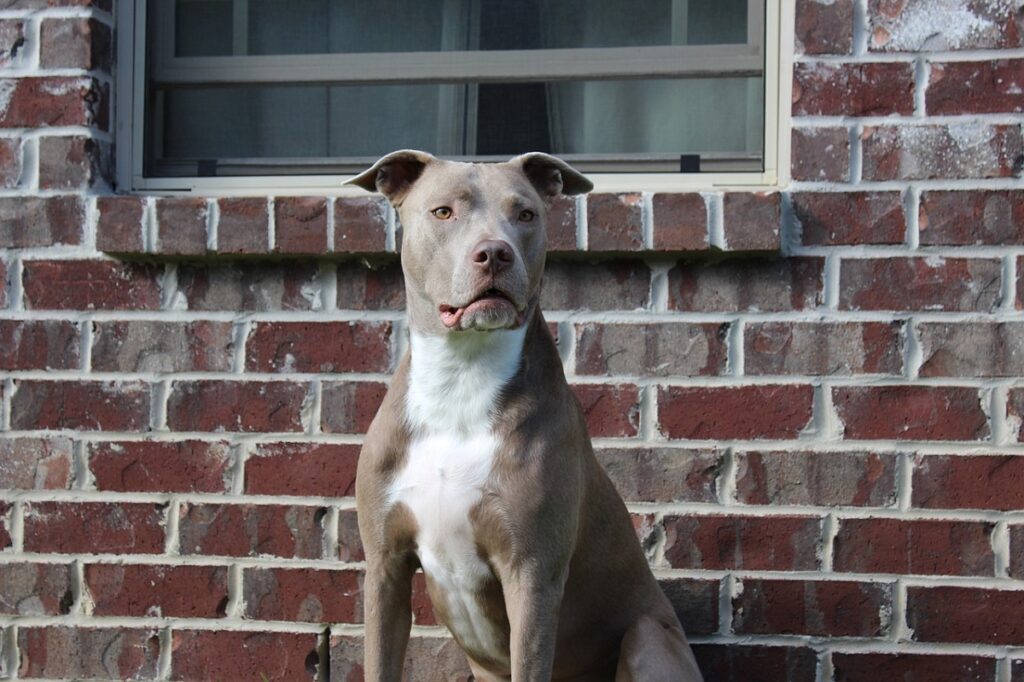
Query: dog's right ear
(393, 174)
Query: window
(224, 93)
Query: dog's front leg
(387, 613)
(533, 597)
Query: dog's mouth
(490, 300)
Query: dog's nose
(494, 255)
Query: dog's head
(474, 234)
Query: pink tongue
(451, 316)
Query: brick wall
(812, 400)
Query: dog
(478, 467)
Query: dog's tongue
(450, 316)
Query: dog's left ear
(393, 174)
(552, 176)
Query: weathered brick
(919, 547)
(105, 5)
(561, 225)
(680, 222)
(81, 405)
(971, 349)
(119, 228)
(350, 545)
(38, 344)
(822, 348)
(975, 87)
(663, 474)
(161, 466)
(422, 607)
(695, 602)
(839, 218)
(912, 667)
(360, 346)
(324, 470)
(746, 285)
(1015, 412)
(181, 226)
(969, 482)
(6, 509)
(210, 405)
(427, 659)
(608, 285)
(771, 543)
(734, 412)
(91, 285)
(73, 162)
(820, 154)
(611, 410)
(55, 101)
(251, 530)
(349, 406)
(829, 608)
(35, 589)
(12, 42)
(1019, 302)
(36, 463)
(1017, 670)
(752, 221)
(360, 224)
(167, 591)
(250, 286)
(965, 614)
(370, 286)
(94, 527)
(75, 44)
(1017, 552)
(910, 412)
(228, 655)
(303, 594)
(957, 151)
(744, 663)
(3, 284)
(964, 218)
(242, 225)
(615, 222)
(300, 225)
(924, 26)
(58, 652)
(40, 221)
(848, 479)
(824, 27)
(154, 346)
(10, 153)
(663, 349)
(933, 283)
(853, 89)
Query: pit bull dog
(478, 467)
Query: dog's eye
(526, 216)
(442, 213)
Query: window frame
(131, 77)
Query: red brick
(608, 285)
(828, 608)
(91, 285)
(615, 222)
(36, 463)
(6, 524)
(919, 547)
(370, 286)
(1017, 670)
(680, 222)
(743, 663)
(422, 608)
(38, 344)
(227, 655)
(822, 348)
(189, 466)
(303, 594)
(853, 89)
(162, 591)
(820, 479)
(10, 152)
(349, 406)
(965, 218)
(360, 346)
(251, 530)
(73, 162)
(153, 346)
(58, 652)
(910, 412)
(912, 667)
(958, 151)
(350, 546)
(933, 283)
(12, 42)
(35, 589)
(820, 154)
(320, 469)
(94, 527)
(1015, 412)
(3, 284)
(75, 44)
(242, 225)
(210, 405)
(746, 285)
(971, 350)
(975, 87)
(55, 101)
(734, 412)
(611, 410)
(300, 225)
(839, 218)
(771, 543)
(824, 27)
(40, 221)
(663, 474)
(119, 228)
(1017, 552)
(81, 405)
(181, 226)
(664, 349)
(752, 221)
(916, 26)
(360, 224)
(969, 482)
(561, 225)
(250, 286)
(965, 614)
(427, 659)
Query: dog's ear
(552, 176)
(393, 174)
